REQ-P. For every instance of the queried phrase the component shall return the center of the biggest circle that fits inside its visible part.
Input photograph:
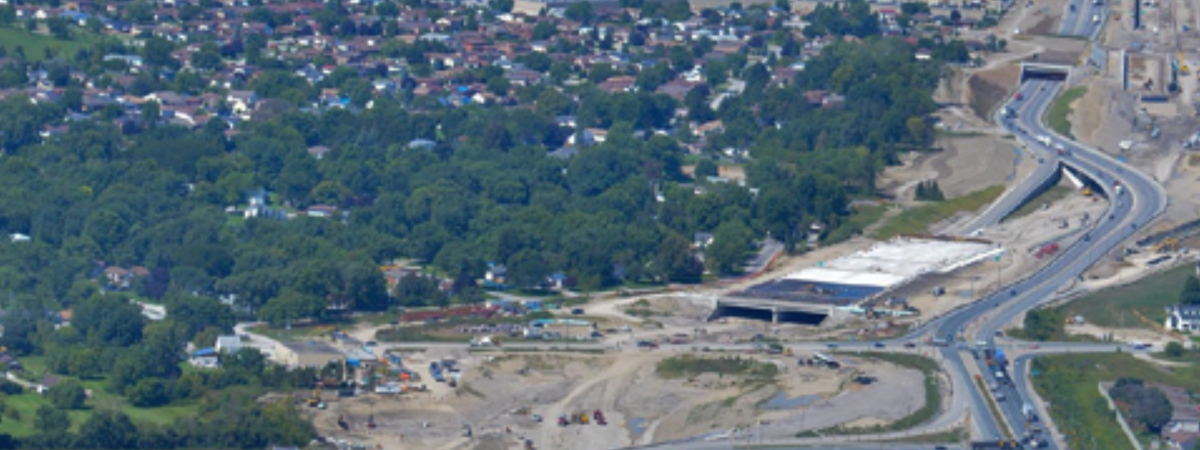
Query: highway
(1139, 200)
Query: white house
(228, 344)
(1183, 318)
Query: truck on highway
(1044, 140)
(1047, 249)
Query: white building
(1183, 318)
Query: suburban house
(228, 344)
(318, 151)
(496, 276)
(1183, 318)
(205, 358)
(321, 211)
(46, 384)
(1182, 431)
(120, 277)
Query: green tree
(1174, 350)
(157, 52)
(1043, 324)
(109, 430)
(149, 393)
(728, 249)
(292, 306)
(1190, 294)
(207, 58)
(543, 30)
(677, 261)
(67, 394)
(501, 5)
(706, 168)
(108, 320)
(151, 111)
(580, 12)
(50, 420)
(60, 28)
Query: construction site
(600, 401)
(841, 285)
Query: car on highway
(1072, 7)
(832, 346)
(879, 345)
(1017, 96)
(910, 345)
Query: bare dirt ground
(895, 394)
(500, 394)
(987, 88)
(963, 165)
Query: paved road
(1132, 206)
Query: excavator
(1167, 245)
(1087, 191)
(314, 400)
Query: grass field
(21, 410)
(690, 366)
(862, 217)
(35, 45)
(1122, 306)
(1060, 109)
(1047, 196)
(1068, 384)
(918, 219)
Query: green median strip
(1056, 117)
(987, 393)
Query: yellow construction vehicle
(1167, 245)
(1183, 67)
(1087, 191)
(315, 399)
